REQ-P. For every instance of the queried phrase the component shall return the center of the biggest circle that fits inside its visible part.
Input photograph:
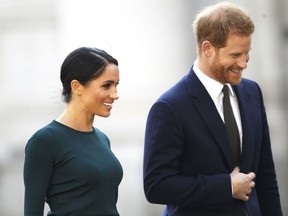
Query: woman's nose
(114, 95)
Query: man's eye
(235, 55)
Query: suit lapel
(208, 112)
(248, 147)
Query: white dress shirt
(214, 88)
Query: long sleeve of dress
(38, 168)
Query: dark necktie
(231, 126)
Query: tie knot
(226, 90)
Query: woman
(69, 163)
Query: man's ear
(207, 48)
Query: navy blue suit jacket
(187, 157)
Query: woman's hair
(216, 22)
(83, 64)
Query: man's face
(227, 63)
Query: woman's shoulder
(43, 136)
(47, 134)
(101, 135)
(47, 131)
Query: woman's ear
(76, 87)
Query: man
(193, 163)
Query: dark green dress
(75, 172)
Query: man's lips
(236, 70)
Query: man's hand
(242, 184)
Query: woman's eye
(110, 85)
(106, 86)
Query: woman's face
(98, 96)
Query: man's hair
(216, 22)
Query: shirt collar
(213, 87)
